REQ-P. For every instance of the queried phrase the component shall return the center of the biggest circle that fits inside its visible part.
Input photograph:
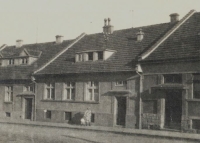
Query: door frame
(24, 107)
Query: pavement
(116, 130)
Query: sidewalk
(127, 131)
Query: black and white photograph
(100, 71)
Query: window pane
(90, 84)
(173, 78)
(48, 93)
(196, 91)
(48, 114)
(68, 84)
(96, 84)
(73, 84)
(73, 94)
(52, 93)
(68, 93)
(90, 94)
(100, 55)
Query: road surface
(36, 134)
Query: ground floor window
(68, 116)
(48, 114)
(8, 94)
(8, 114)
(92, 91)
(150, 106)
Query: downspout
(35, 90)
(139, 72)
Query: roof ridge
(60, 53)
(166, 35)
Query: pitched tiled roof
(122, 41)
(48, 50)
(182, 44)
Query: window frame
(70, 115)
(48, 114)
(71, 87)
(174, 78)
(51, 89)
(90, 85)
(8, 94)
(24, 61)
(11, 62)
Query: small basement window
(150, 106)
(48, 114)
(196, 124)
(8, 114)
(93, 118)
(173, 78)
(68, 116)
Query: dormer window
(24, 61)
(100, 55)
(90, 56)
(94, 55)
(11, 61)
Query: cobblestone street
(34, 134)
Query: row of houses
(144, 77)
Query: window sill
(71, 101)
(8, 102)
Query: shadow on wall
(76, 119)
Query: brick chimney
(19, 43)
(140, 35)
(174, 17)
(59, 39)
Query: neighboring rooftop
(182, 44)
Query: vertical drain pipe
(139, 72)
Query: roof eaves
(163, 38)
(60, 53)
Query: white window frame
(8, 94)
(50, 87)
(70, 88)
(91, 86)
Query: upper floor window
(196, 90)
(120, 83)
(92, 91)
(8, 93)
(69, 92)
(50, 91)
(11, 61)
(173, 78)
(24, 61)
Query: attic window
(100, 55)
(11, 61)
(90, 56)
(24, 61)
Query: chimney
(140, 35)
(174, 17)
(110, 27)
(59, 39)
(19, 43)
(107, 29)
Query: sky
(38, 21)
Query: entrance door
(28, 108)
(121, 111)
(173, 109)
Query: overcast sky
(41, 20)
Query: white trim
(60, 53)
(170, 32)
